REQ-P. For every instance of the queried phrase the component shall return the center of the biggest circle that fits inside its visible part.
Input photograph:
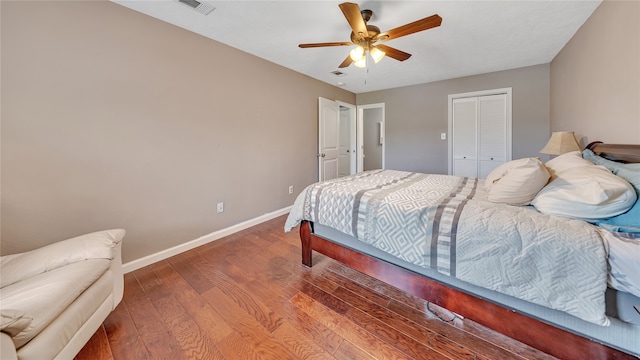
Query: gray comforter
(443, 222)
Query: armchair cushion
(97, 245)
(39, 285)
(47, 295)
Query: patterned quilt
(444, 223)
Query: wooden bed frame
(536, 333)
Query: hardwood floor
(247, 296)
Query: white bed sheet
(624, 261)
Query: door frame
(451, 97)
(360, 138)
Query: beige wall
(111, 118)
(416, 115)
(595, 79)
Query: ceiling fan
(366, 36)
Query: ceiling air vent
(198, 6)
(338, 73)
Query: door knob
(323, 155)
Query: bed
(559, 291)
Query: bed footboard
(538, 334)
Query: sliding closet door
(492, 137)
(465, 119)
(480, 132)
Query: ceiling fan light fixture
(361, 63)
(376, 54)
(357, 54)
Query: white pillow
(586, 193)
(565, 162)
(516, 182)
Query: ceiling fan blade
(325, 44)
(346, 62)
(414, 27)
(393, 52)
(351, 11)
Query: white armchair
(53, 299)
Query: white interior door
(328, 138)
(347, 154)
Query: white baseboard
(164, 254)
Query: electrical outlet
(220, 207)
(290, 189)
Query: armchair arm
(118, 275)
(7, 348)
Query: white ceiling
(475, 36)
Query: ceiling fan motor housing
(369, 38)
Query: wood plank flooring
(247, 296)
